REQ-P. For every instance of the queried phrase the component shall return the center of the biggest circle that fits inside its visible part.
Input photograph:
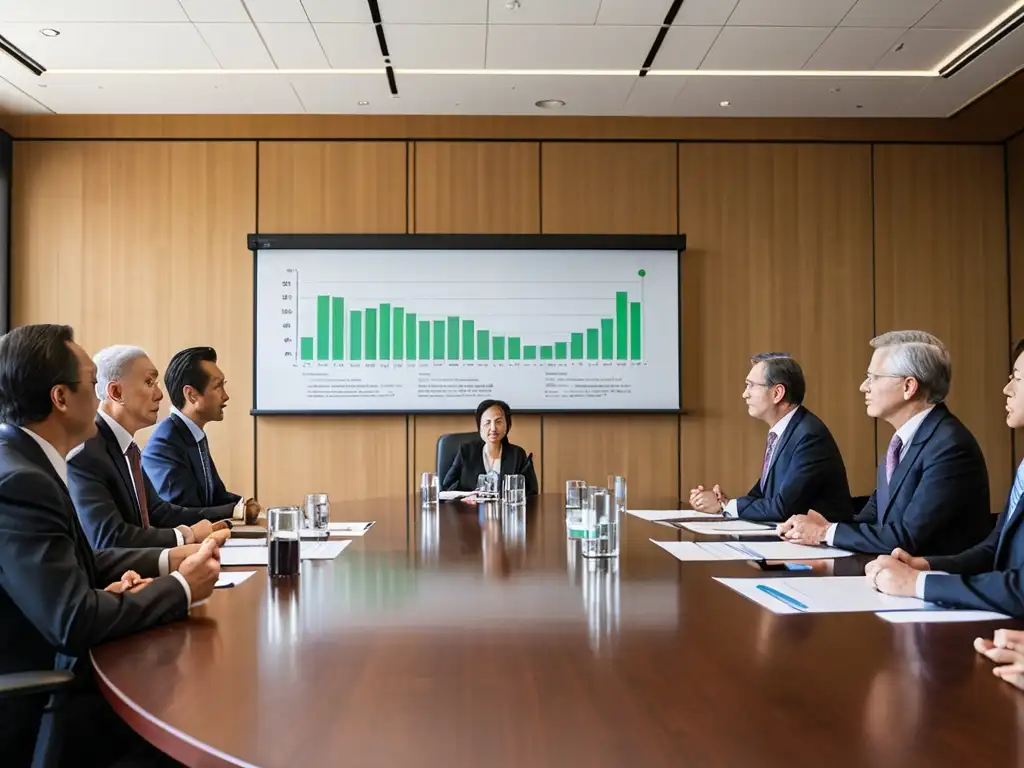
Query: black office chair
(54, 682)
(448, 448)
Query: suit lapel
(882, 491)
(194, 459)
(781, 447)
(1011, 523)
(121, 464)
(922, 436)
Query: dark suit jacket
(104, 496)
(52, 607)
(937, 502)
(172, 461)
(469, 464)
(989, 576)
(807, 472)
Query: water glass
(600, 536)
(487, 485)
(430, 492)
(317, 517)
(514, 490)
(574, 492)
(617, 487)
(283, 533)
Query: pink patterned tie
(772, 437)
(892, 457)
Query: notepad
(822, 594)
(349, 529)
(232, 578)
(452, 495)
(308, 550)
(730, 527)
(708, 551)
(939, 617)
(673, 515)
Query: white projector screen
(551, 327)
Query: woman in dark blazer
(492, 452)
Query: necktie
(204, 455)
(1015, 494)
(892, 457)
(135, 462)
(767, 463)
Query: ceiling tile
(790, 13)
(711, 13)
(923, 48)
(545, 12)
(578, 47)
(328, 94)
(350, 46)
(337, 11)
(854, 48)
(433, 11)
(685, 47)
(91, 10)
(294, 46)
(215, 11)
(281, 11)
(236, 46)
(957, 14)
(772, 48)
(15, 101)
(626, 13)
(653, 96)
(115, 46)
(887, 13)
(436, 46)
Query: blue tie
(1015, 494)
(207, 473)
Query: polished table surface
(478, 639)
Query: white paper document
(308, 550)
(939, 617)
(730, 527)
(349, 529)
(822, 594)
(707, 551)
(232, 578)
(451, 495)
(663, 515)
(262, 542)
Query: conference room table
(473, 636)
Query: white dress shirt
(60, 466)
(906, 434)
(778, 430)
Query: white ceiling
(283, 56)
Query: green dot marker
(642, 272)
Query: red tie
(135, 462)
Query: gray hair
(781, 368)
(111, 363)
(920, 356)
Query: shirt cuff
(178, 537)
(830, 534)
(730, 509)
(165, 562)
(238, 513)
(919, 589)
(184, 585)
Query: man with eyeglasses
(932, 495)
(802, 466)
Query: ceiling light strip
(21, 57)
(870, 73)
(983, 40)
(666, 25)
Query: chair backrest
(448, 448)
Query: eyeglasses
(757, 384)
(871, 378)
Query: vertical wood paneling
(1015, 202)
(941, 266)
(778, 259)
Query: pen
(224, 586)
(747, 551)
(790, 601)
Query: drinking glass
(574, 492)
(429, 489)
(283, 527)
(487, 485)
(514, 490)
(617, 487)
(317, 517)
(600, 537)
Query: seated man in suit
(987, 577)
(53, 604)
(932, 492)
(177, 455)
(802, 467)
(115, 500)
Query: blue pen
(790, 601)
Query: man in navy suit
(932, 494)
(177, 457)
(989, 576)
(802, 467)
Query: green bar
(634, 330)
(439, 339)
(410, 336)
(592, 344)
(577, 346)
(561, 350)
(385, 331)
(530, 352)
(371, 333)
(607, 332)
(468, 335)
(424, 339)
(399, 329)
(355, 346)
(483, 345)
(546, 353)
(307, 347)
(323, 327)
(621, 326)
(499, 347)
(453, 338)
(513, 348)
(338, 331)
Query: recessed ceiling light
(364, 103)
(513, 5)
(549, 103)
(49, 32)
(724, 103)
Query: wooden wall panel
(144, 243)
(332, 187)
(1015, 200)
(477, 187)
(603, 189)
(941, 266)
(778, 259)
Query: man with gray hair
(802, 467)
(932, 495)
(115, 500)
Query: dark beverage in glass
(283, 557)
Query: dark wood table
(468, 640)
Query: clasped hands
(204, 529)
(1006, 648)
(198, 563)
